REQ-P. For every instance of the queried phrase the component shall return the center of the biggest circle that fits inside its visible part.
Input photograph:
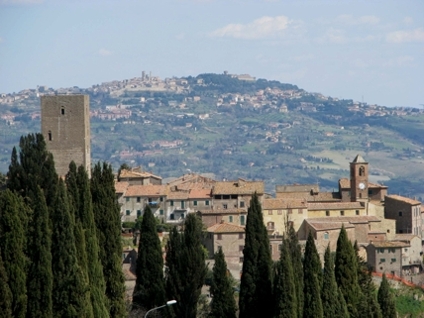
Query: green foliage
(186, 268)
(311, 284)
(107, 220)
(386, 300)
(284, 286)
(149, 291)
(346, 272)
(223, 303)
(6, 294)
(40, 275)
(12, 245)
(255, 285)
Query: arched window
(361, 171)
(270, 225)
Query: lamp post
(168, 303)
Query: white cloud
(20, 1)
(351, 20)
(263, 27)
(408, 20)
(333, 36)
(416, 35)
(104, 52)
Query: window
(207, 202)
(161, 212)
(300, 211)
(326, 236)
(230, 219)
(369, 192)
(406, 250)
(62, 110)
(138, 213)
(234, 196)
(241, 236)
(225, 206)
(241, 248)
(342, 213)
(270, 225)
(127, 199)
(279, 212)
(380, 250)
(226, 197)
(171, 203)
(382, 260)
(219, 237)
(393, 260)
(391, 250)
(388, 231)
(242, 219)
(289, 211)
(357, 212)
(362, 171)
(161, 199)
(269, 212)
(195, 203)
(50, 135)
(241, 259)
(400, 213)
(138, 199)
(327, 213)
(182, 204)
(242, 204)
(127, 212)
(290, 223)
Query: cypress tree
(6, 294)
(80, 245)
(284, 286)
(40, 277)
(95, 270)
(368, 305)
(149, 290)
(223, 303)
(13, 213)
(346, 272)
(330, 295)
(311, 284)
(186, 267)
(256, 285)
(108, 223)
(69, 292)
(386, 300)
(295, 252)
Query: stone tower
(359, 179)
(65, 125)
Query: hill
(236, 126)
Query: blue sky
(370, 50)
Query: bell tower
(359, 179)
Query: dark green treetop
(386, 300)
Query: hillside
(236, 126)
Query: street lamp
(168, 303)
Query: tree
(6, 294)
(332, 300)
(95, 270)
(295, 252)
(311, 283)
(40, 276)
(186, 255)
(223, 303)
(386, 300)
(149, 290)
(69, 292)
(284, 286)
(256, 285)
(108, 223)
(13, 214)
(346, 272)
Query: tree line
(60, 245)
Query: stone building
(406, 212)
(65, 125)
(386, 257)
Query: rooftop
(240, 186)
(146, 190)
(225, 228)
(269, 204)
(358, 159)
(403, 199)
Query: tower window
(50, 135)
(62, 110)
(362, 171)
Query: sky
(371, 51)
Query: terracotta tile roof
(344, 183)
(323, 196)
(390, 244)
(404, 199)
(192, 181)
(326, 226)
(272, 204)
(238, 187)
(404, 237)
(297, 188)
(146, 190)
(200, 194)
(376, 185)
(350, 219)
(137, 174)
(121, 187)
(225, 228)
(177, 195)
(334, 205)
(223, 211)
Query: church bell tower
(359, 179)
